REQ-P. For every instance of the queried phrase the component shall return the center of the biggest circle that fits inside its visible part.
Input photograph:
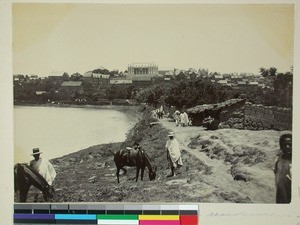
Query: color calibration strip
(105, 214)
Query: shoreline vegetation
(227, 165)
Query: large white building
(142, 69)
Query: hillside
(226, 165)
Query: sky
(82, 37)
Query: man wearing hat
(173, 153)
(44, 167)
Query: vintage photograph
(153, 102)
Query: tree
(65, 76)
(101, 71)
(272, 71)
(283, 89)
(263, 71)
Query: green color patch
(117, 217)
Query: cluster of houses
(140, 74)
(145, 74)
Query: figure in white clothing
(177, 117)
(173, 154)
(184, 119)
(43, 167)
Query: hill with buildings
(146, 83)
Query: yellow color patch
(158, 217)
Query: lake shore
(24, 140)
(227, 165)
(132, 111)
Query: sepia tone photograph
(153, 102)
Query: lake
(60, 131)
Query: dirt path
(256, 182)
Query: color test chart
(111, 214)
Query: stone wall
(259, 117)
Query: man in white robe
(43, 167)
(184, 119)
(173, 154)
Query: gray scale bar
(96, 207)
(151, 207)
(114, 207)
(133, 207)
(22, 206)
(78, 207)
(41, 206)
(59, 207)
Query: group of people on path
(182, 119)
(158, 113)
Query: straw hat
(171, 134)
(36, 151)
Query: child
(282, 170)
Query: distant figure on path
(282, 170)
(177, 117)
(173, 154)
(43, 167)
(184, 119)
(160, 113)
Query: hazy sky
(82, 37)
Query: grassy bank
(213, 162)
(89, 175)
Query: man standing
(173, 154)
(43, 167)
(282, 170)
(177, 117)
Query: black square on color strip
(115, 212)
(33, 221)
(151, 212)
(41, 211)
(75, 211)
(94, 211)
(188, 212)
(29, 211)
(170, 212)
(133, 212)
(57, 211)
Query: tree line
(178, 93)
(186, 94)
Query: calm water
(60, 131)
